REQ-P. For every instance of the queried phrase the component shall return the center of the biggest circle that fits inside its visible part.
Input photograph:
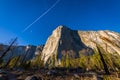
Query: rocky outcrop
(72, 42)
(108, 40)
(39, 50)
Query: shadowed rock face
(70, 43)
(66, 41)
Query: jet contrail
(42, 15)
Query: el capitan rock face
(72, 42)
(64, 41)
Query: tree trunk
(103, 61)
(4, 53)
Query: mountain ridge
(19, 50)
(65, 40)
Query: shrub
(37, 62)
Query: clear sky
(16, 15)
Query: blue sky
(16, 15)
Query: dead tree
(103, 61)
(8, 49)
(11, 56)
(11, 47)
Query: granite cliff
(73, 42)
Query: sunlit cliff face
(66, 41)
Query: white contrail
(42, 15)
